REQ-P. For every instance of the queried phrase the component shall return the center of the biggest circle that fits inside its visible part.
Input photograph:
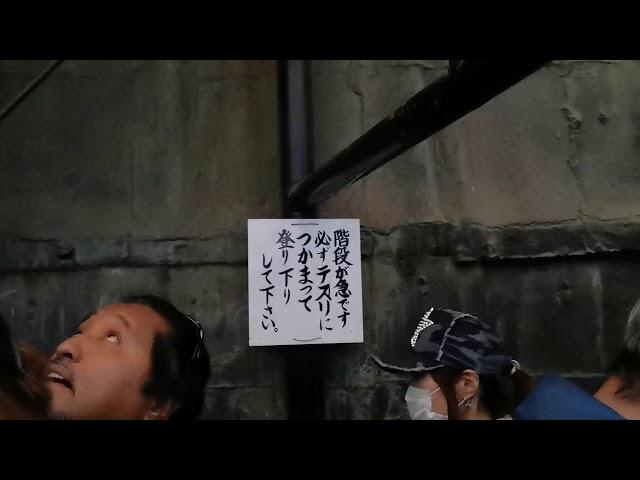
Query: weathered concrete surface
(603, 114)
(556, 147)
(143, 149)
(524, 212)
(464, 243)
(138, 176)
(350, 98)
(245, 404)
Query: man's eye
(113, 338)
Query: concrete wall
(524, 212)
(128, 176)
(138, 176)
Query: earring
(466, 401)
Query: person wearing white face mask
(420, 404)
(462, 373)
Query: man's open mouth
(57, 377)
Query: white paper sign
(305, 281)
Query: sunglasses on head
(200, 337)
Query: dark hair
(23, 394)
(180, 365)
(626, 366)
(499, 395)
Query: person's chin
(59, 408)
(58, 415)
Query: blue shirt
(555, 398)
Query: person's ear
(468, 384)
(160, 410)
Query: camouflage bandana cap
(448, 338)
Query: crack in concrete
(574, 124)
(353, 85)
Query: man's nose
(69, 350)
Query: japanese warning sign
(305, 281)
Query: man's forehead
(133, 317)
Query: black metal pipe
(29, 89)
(303, 363)
(467, 86)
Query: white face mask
(419, 404)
